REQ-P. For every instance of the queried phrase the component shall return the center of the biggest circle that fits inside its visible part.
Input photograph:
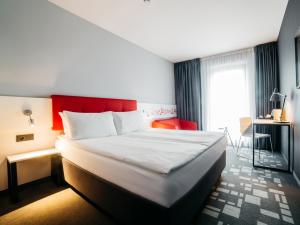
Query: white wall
(13, 122)
(46, 50)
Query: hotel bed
(153, 176)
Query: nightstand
(12, 178)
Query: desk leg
(12, 181)
(253, 144)
(289, 148)
(56, 169)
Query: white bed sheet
(158, 150)
(164, 189)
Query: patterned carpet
(266, 158)
(246, 195)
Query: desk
(266, 122)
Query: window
(228, 91)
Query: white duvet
(156, 150)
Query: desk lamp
(276, 97)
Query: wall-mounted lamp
(28, 112)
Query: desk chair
(246, 130)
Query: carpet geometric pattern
(266, 158)
(246, 195)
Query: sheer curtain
(228, 90)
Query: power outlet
(24, 137)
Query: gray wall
(289, 27)
(45, 50)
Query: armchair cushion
(175, 124)
(188, 125)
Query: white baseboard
(296, 178)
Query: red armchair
(175, 124)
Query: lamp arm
(282, 95)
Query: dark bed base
(129, 208)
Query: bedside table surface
(32, 155)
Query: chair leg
(258, 147)
(238, 146)
(271, 145)
(237, 150)
(252, 145)
(229, 138)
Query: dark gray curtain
(266, 79)
(188, 90)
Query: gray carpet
(252, 196)
(243, 196)
(266, 158)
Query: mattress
(163, 189)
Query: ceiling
(179, 30)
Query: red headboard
(87, 104)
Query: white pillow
(128, 121)
(89, 125)
(65, 125)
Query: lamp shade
(275, 97)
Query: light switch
(24, 137)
